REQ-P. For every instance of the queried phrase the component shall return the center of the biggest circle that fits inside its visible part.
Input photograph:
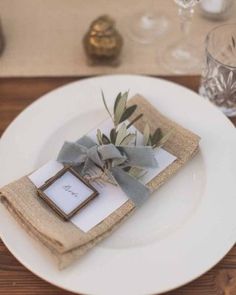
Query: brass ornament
(102, 42)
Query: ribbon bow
(85, 151)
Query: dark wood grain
(15, 95)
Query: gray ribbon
(85, 151)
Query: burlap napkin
(64, 240)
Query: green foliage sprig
(120, 134)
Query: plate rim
(69, 85)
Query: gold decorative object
(102, 42)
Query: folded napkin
(64, 240)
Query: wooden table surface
(15, 279)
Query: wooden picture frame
(42, 194)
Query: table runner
(44, 38)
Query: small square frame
(52, 180)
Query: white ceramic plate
(185, 228)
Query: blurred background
(44, 38)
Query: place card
(67, 192)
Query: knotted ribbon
(87, 153)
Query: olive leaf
(122, 132)
(156, 137)
(99, 136)
(134, 120)
(105, 139)
(128, 139)
(120, 108)
(116, 101)
(105, 104)
(146, 134)
(128, 113)
(164, 139)
(113, 135)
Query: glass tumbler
(218, 83)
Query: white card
(110, 197)
(68, 192)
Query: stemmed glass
(182, 56)
(146, 26)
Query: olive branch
(120, 134)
